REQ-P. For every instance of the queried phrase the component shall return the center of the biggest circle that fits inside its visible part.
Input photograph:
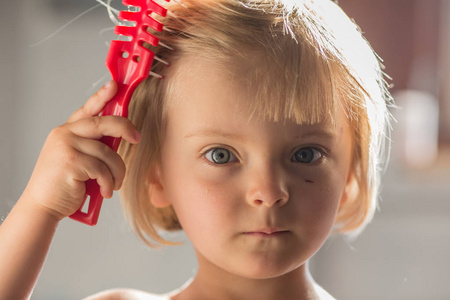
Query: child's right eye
(220, 156)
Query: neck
(212, 282)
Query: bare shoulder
(125, 294)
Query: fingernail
(137, 136)
(118, 186)
(107, 85)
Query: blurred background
(52, 56)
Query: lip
(267, 232)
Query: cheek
(316, 204)
(191, 187)
(201, 203)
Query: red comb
(129, 63)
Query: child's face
(256, 198)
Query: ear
(349, 189)
(155, 189)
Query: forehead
(250, 87)
(204, 97)
(216, 114)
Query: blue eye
(220, 156)
(306, 155)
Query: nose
(267, 187)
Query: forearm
(71, 155)
(25, 237)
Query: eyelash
(209, 152)
(318, 154)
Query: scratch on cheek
(309, 181)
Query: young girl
(264, 136)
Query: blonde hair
(302, 59)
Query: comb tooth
(156, 8)
(128, 15)
(125, 30)
(161, 60)
(139, 3)
(156, 75)
(136, 17)
(152, 23)
(149, 4)
(166, 46)
(150, 39)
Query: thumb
(95, 104)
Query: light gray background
(403, 254)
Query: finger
(95, 104)
(92, 168)
(98, 127)
(106, 155)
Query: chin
(269, 268)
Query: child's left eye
(220, 156)
(306, 155)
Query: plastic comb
(129, 63)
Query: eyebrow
(318, 133)
(308, 133)
(214, 133)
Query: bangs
(282, 56)
(294, 85)
(289, 58)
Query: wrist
(35, 209)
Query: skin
(71, 155)
(256, 219)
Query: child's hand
(72, 154)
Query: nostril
(267, 192)
(258, 202)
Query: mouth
(267, 233)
